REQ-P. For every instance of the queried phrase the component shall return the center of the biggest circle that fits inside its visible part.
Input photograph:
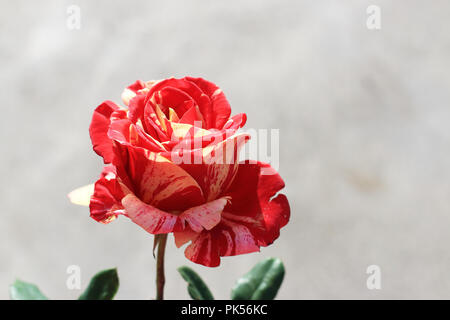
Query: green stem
(160, 278)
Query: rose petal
(98, 130)
(255, 202)
(105, 203)
(190, 89)
(148, 217)
(252, 218)
(221, 109)
(158, 181)
(183, 237)
(127, 133)
(205, 216)
(215, 166)
(236, 122)
(156, 221)
(82, 195)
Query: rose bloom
(172, 166)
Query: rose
(222, 206)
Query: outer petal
(138, 87)
(136, 107)
(253, 217)
(184, 236)
(151, 219)
(98, 130)
(255, 202)
(105, 203)
(156, 221)
(82, 195)
(226, 239)
(203, 250)
(205, 216)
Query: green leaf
(103, 286)
(20, 290)
(260, 283)
(197, 288)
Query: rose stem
(160, 278)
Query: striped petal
(205, 216)
(256, 201)
(132, 90)
(105, 203)
(98, 130)
(236, 122)
(253, 217)
(227, 239)
(156, 221)
(157, 181)
(151, 219)
(215, 166)
(127, 133)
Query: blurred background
(364, 137)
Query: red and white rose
(171, 166)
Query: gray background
(363, 118)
